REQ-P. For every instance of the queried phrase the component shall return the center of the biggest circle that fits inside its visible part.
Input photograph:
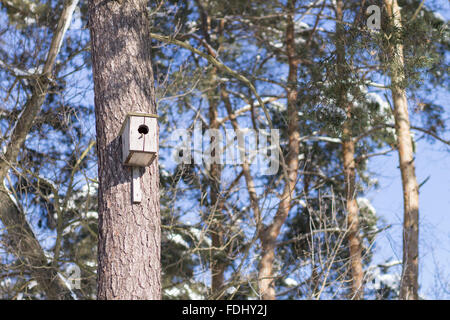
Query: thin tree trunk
(129, 234)
(409, 282)
(354, 241)
(269, 235)
(348, 154)
(217, 264)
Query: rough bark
(410, 273)
(129, 233)
(20, 236)
(348, 155)
(269, 235)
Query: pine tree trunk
(348, 153)
(269, 236)
(354, 241)
(129, 234)
(217, 265)
(410, 273)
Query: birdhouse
(139, 139)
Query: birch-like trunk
(129, 233)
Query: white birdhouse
(139, 143)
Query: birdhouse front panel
(139, 139)
(142, 134)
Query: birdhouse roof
(135, 114)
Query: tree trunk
(410, 272)
(129, 234)
(269, 235)
(354, 241)
(348, 154)
(217, 265)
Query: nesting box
(139, 139)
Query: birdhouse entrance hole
(143, 129)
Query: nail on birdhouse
(139, 143)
